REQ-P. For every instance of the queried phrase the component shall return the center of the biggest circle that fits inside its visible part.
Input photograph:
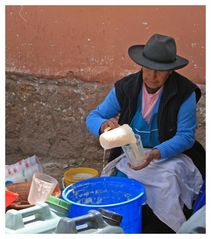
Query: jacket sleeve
(107, 109)
(185, 135)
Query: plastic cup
(42, 186)
(135, 152)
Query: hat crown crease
(160, 49)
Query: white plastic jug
(92, 223)
(117, 137)
(36, 219)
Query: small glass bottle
(134, 152)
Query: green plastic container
(59, 206)
(36, 219)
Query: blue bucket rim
(68, 189)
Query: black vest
(176, 90)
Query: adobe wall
(91, 42)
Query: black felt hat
(159, 53)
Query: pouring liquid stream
(104, 157)
(138, 155)
(105, 151)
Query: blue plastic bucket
(121, 195)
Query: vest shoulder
(182, 79)
(185, 85)
(128, 87)
(128, 80)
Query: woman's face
(154, 79)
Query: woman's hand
(111, 124)
(148, 157)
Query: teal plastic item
(36, 219)
(92, 223)
(59, 206)
(121, 195)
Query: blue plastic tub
(121, 195)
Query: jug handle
(40, 211)
(69, 225)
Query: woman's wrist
(156, 153)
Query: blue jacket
(183, 139)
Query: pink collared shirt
(148, 102)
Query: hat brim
(136, 54)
